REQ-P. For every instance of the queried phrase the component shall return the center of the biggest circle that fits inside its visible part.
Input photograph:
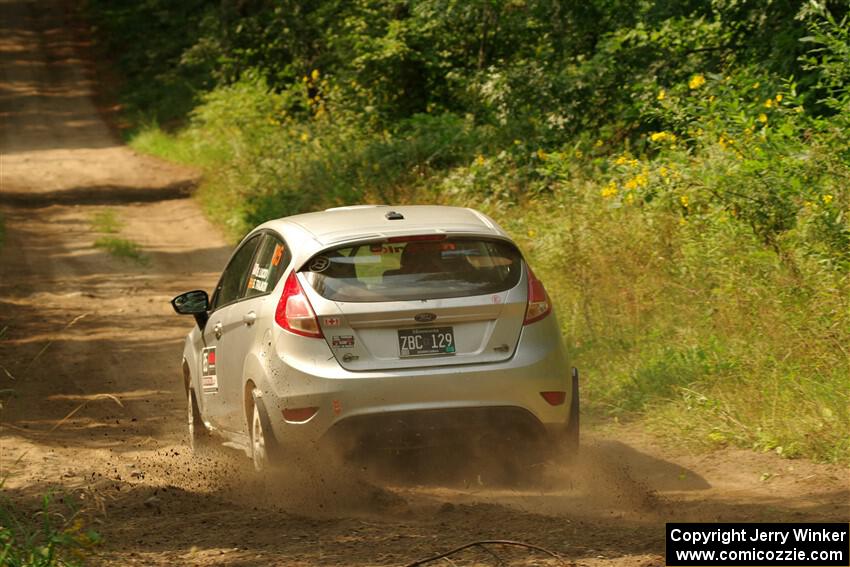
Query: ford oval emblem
(425, 317)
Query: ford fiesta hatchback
(383, 327)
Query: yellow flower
(696, 82)
(757, 85)
(768, 103)
(662, 137)
(683, 221)
(712, 98)
(598, 143)
(684, 200)
(723, 142)
(762, 118)
(305, 137)
(778, 98)
(579, 154)
(517, 142)
(827, 199)
(799, 110)
(315, 75)
(609, 190)
(541, 154)
(662, 171)
(622, 160)
(479, 160)
(532, 233)
(639, 180)
(662, 94)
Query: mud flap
(572, 433)
(274, 452)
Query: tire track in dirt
(78, 326)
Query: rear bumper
(418, 405)
(506, 426)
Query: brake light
(294, 312)
(539, 304)
(417, 238)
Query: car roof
(310, 233)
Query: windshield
(415, 268)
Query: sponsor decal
(497, 299)
(319, 264)
(261, 273)
(343, 341)
(332, 321)
(277, 255)
(209, 378)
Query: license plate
(414, 342)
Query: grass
(121, 248)
(106, 222)
(53, 535)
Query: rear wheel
(199, 437)
(258, 442)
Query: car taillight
(539, 304)
(294, 312)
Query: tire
(200, 440)
(258, 442)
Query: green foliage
(121, 248)
(54, 535)
(106, 222)
(676, 171)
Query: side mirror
(195, 303)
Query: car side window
(233, 279)
(269, 263)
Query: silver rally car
(376, 327)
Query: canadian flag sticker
(332, 321)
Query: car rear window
(414, 268)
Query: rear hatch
(418, 301)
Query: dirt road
(84, 330)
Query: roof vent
(392, 215)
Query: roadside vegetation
(55, 534)
(676, 171)
(107, 223)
